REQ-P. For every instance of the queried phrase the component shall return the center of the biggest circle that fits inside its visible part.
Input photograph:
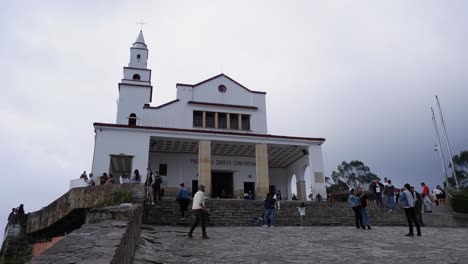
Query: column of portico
(301, 191)
(263, 184)
(204, 165)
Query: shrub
(117, 197)
(459, 201)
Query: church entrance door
(221, 184)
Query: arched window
(132, 119)
(136, 77)
(138, 56)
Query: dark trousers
(411, 218)
(199, 215)
(184, 203)
(418, 208)
(157, 193)
(358, 216)
(378, 199)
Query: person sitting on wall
(84, 176)
(103, 178)
(90, 181)
(110, 180)
(246, 196)
(20, 210)
(11, 216)
(294, 197)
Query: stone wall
(108, 237)
(77, 198)
(241, 212)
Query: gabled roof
(217, 76)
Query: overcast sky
(362, 74)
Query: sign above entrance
(240, 163)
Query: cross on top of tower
(141, 23)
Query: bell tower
(135, 89)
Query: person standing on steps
(156, 186)
(278, 199)
(365, 213)
(407, 199)
(389, 191)
(200, 212)
(302, 213)
(355, 204)
(149, 197)
(183, 197)
(269, 217)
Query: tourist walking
(442, 195)
(364, 211)
(269, 216)
(183, 197)
(407, 199)
(302, 213)
(200, 212)
(389, 191)
(376, 188)
(156, 186)
(355, 204)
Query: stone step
(243, 212)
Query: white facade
(220, 111)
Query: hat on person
(182, 184)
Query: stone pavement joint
(288, 244)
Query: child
(302, 214)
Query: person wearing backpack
(156, 186)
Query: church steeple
(138, 53)
(135, 89)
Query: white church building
(214, 133)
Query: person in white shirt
(200, 212)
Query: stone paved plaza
(316, 244)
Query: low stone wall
(77, 198)
(109, 237)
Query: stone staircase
(227, 212)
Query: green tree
(461, 166)
(352, 175)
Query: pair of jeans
(302, 220)
(390, 202)
(358, 216)
(410, 214)
(365, 217)
(199, 215)
(378, 199)
(269, 217)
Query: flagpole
(447, 141)
(439, 146)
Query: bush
(459, 201)
(117, 197)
